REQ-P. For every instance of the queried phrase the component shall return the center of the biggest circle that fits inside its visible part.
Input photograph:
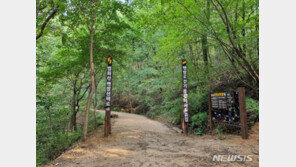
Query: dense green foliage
(147, 40)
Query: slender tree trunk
(92, 85)
(204, 43)
(244, 29)
(73, 120)
(91, 49)
(74, 116)
(204, 40)
(73, 104)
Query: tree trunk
(244, 29)
(73, 104)
(77, 110)
(204, 40)
(92, 84)
(205, 50)
(73, 120)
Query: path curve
(139, 141)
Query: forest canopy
(147, 40)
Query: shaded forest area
(147, 40)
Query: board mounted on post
(229, 108)
(107, 129)
(185, 116)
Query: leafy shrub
(219, 129)
(252, 110)
(142, 108)
(172, 109)
(52, 136)
(199, 123)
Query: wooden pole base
(243, 113)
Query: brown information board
(228, 108)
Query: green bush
(52, 136)
(252, 110)
(199, 123)
(219, 129)
(172, 109)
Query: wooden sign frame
(242, 111)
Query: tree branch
(54, 11)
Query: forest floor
(139, 141)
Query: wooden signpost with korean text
(229, 108)
(184, 116)
(108, 97)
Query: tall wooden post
(185, 116)
(210, 113)
(107, 129)
(182, 122)
(242, 111)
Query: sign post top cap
(109, 60)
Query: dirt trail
(139, 141)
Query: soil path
(139, 141)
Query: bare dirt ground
(139, 141)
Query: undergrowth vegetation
(54, 135)
(147, 41)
